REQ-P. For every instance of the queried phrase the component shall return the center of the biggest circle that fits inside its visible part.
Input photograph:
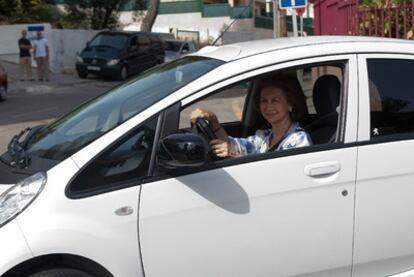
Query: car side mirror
(182, 150)
(88, 44)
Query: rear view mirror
(182, 150)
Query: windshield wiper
(16, 150)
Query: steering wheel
(202, 127)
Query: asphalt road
(33, 103)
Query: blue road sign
(286, 4)
(37, 28)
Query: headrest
(326, 92)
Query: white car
(175, 49)
(122, 187)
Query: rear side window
(391, 96)
(144, 42)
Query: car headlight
(112, 62)
(79, 59)
(14, 200)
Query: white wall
(208, 27)
(66, 44)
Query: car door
(276, 214)
(384, 241)
(146, 57)
(133, 55)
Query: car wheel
(3, 94)
(123, 73)
(82, 75)
(60, 272)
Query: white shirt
(40, 47)
(259, 143)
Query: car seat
(326, 93)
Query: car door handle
(322, 169)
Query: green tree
(25, 11)
(97, 14)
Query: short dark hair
(292, 90)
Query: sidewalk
(56, 80)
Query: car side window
(125, 162)
(391, 96)
(317, 96)
(133, 44)
(144, 42)
(228, 104)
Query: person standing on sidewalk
(25, 65)
(41, 55)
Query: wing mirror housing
(183, 150)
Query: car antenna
(234, 20)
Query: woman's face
(274, 105)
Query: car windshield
(91, 120)
(173, 46)
(117, 41)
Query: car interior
(320, 83)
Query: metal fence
(392, 19)
(386, 18)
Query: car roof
(245, 49)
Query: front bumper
(101, 70)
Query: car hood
(12, 175)
(101, 52)
(171, 55)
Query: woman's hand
(220, 148)
(208, 115)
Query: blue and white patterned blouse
(259, 143)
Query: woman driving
(281, 103)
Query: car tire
(3, 94)
(123, 73)
(60, 272)
(82, 75)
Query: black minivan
(118, 54)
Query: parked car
(3, 83)
(120, 54)
(175, 49)
(124, 186)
